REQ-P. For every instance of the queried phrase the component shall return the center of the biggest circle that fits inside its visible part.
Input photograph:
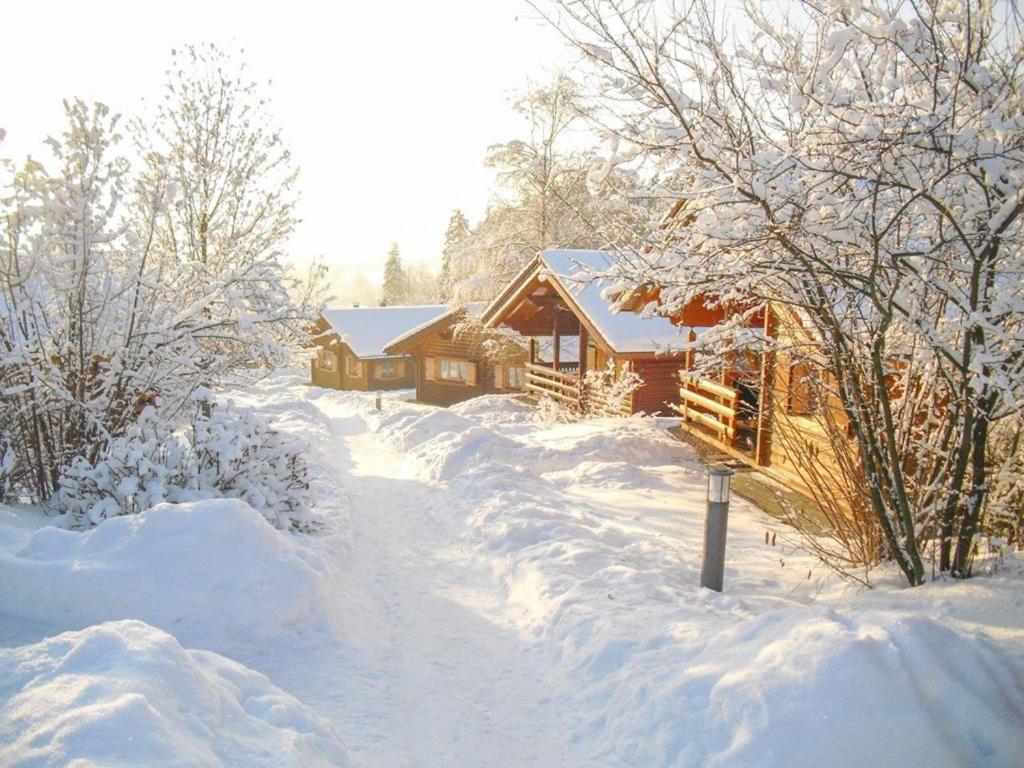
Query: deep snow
(488, 590)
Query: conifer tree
(454, 239)
(395, 287)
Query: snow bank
(593, 533)
(212, 572)
(808, 686)
(126, 694)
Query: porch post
(765, 404)
(533, 349)
(581, 384)
(556, 345)
(584, 340)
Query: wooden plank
(567, 399)
(549, 387)
(721, 390)
(723, 430)
(543, 371)
(708, 403)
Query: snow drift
(593, 533)
(126, 694)
(212, 572)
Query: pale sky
(388, 107)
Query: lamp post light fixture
(712, 570)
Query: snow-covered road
(426, 680)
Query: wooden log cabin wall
(456, 359)
(573, 330)
(350, 343)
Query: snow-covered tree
(422, 285)
(395, 288)
(454, 240)
(108, 307)
(229, 185)
(862, 164)
(550, 193)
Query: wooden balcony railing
(711, 405)
(558, 385)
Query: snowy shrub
(145, 466)
(239, 455)
(551, 412)
(609, 392)
(225, 453)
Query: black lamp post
(712, 571)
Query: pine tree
(454, 238)
(395, 288)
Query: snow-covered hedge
(225, 453)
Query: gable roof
(368, 330)
(571, 271)
(406, 341)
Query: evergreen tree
(395, 288)
(454, 240)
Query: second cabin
(350, 345)
(455, 358)
(572, 329)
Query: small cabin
(350, 344)
(556, 303)
(455, 358)
(763, 402)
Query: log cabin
(572, 329)
(765, 406)
(350, 344)
(773, 410)
(455, 358)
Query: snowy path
(427, 681)
(491, 590)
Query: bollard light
(377, 400)
(712, 569)
(718, 484)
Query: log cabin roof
(571, 273)
(368, 330)
(402, 344)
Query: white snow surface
(213, 572)
(126, 694)
(491, 590)
(368, 330)
(626, 332)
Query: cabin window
(515, 377)
(454, 370)
(326, 359)
(353, 366)
(802, 397)
(389, 369)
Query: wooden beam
(556, 345)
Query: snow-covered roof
(473, 309)
(626, 332)
(368, 330)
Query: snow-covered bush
(224, 453)
(609, 392)
(147, 465)
(550, 412)
(239, 455)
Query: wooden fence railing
(711, 405)
(560, 386)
